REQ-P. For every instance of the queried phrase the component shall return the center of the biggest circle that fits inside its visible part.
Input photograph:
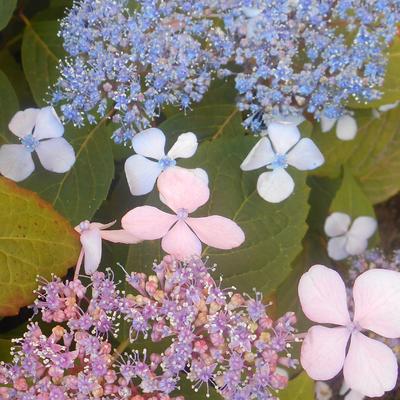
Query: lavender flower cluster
(211, 335)
(372, 259)
(288, 57)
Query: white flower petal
(337, 224)
(289, 119)
(370, 366)
(387, 107)
(355, 245)
(337, 248)
(363, 227)
(275, 186)
(141, 174)
(16, 162)
(184, 147)
(91, 243)
(48, 125)
(283, 136)
(56, 155)
(376, 295)
(305, 155)
(150, 143)
(260, 155)
(346, 128)
(327, 123)
(23, 122)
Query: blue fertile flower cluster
(287, 57)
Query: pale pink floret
(183, 192)
(369, 366)
(92, 234)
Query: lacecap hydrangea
(287, 58)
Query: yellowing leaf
(34, 240)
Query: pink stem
(78, 264)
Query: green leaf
(5, 347)
(78, 193)
(273, 231)
(8, 106)
(7, 8)
(350, 198)
(373, 156)
(209, 121)
(300, 388)
(14, 73)
(41, 50)
(34, 240)
(391, 87)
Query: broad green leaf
(7, 8)
(373, 156)
(391, 87)
(34, 240)
(14, 73)
(300, 388)
(273, 231)
(207, 122)
(322, 193)
(41, 50)
(8, 106)
(5, 347)
(78, 193)
(350, 198)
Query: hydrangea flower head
(183, 192)
(141, 172)
(281, 148)
(40, 131)
(369, 366)
(346, 240)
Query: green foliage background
(282, 240)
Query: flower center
(84, 225)
(182, 213)
(353, 326)
(166, 162)
(280, 161)
(30, 143)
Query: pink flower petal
(323, 351)
(91, 243)
(323, 296)
(377, 302)
(370, 367)
(180, 188)
(147, 223)
(119, 236)
(181, 242)
(216, 231)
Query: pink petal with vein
(216, 231)
(147, 223)
(181, 242)
(181, 188)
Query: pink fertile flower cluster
(209, 335)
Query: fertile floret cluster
(289, 58)
(209, 334)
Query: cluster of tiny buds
(287, 58)
(218, 339)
